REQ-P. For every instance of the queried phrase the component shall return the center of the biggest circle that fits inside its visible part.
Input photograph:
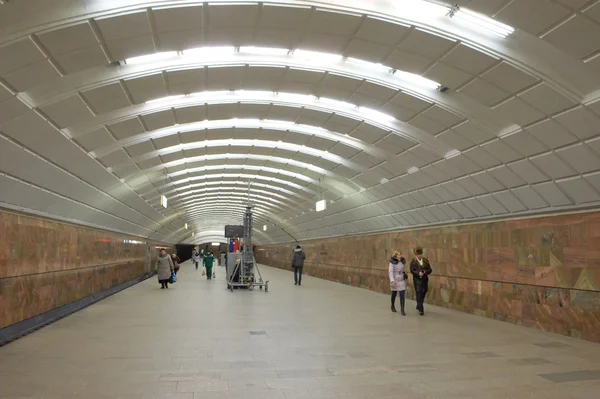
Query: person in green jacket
(208, 263)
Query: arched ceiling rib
(141, 179)
(245, 124)
(347, 110)
(526, 51)
(360, 70)
(517, 132)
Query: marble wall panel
(46, 264)
(538, 272)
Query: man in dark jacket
(420, 269)
(297, 264)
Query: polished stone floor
(321, 340)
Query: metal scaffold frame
(249, 272)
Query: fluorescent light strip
(202, 53)
(144, 59)
(480, 20)
(368, 112)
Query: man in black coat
(298, 264)
(420, 269)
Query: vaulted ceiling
(398, 113)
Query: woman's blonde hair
(397, 254)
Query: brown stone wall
(46, 264)
(539, 272)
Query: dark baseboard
(22, 328)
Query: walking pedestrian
(298, 264)
(420, 269)
(208, 264)
(176, 262)
(164, 268)
(196, 258)
(398, 280)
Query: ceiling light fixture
(168, 98)
(473, 18)
(320, 205)
(185, 225)
(265, 227)
(144, 59)
(163, 201)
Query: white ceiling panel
(469, 60)
(419, 42)
(518, 111)
(492, 204)
(18, 55)
(178, 18)
(128, 128)
(508, 78)
(578, 189)
(470, 186)
(82, 59)
(580, 158)
(462, 209)
(578, 36)
(107, 98)
(96, 139)
(527, 171)
(473, 132)
(11, 108)
(186, 81)
(32, 75)
(546, 99)
(529, 197)
(501, 150)
(551, 133)
(552, 165)
(581, 122)
(147, 88)
(487, 181)
(551, 194)
(159, 120)
(448, 75)
(484, 92)
(509, 201)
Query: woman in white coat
(397, 280)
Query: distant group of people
(167, 267)
(419, 268)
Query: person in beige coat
(164, 268)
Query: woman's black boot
(393, 306)
(402, 307)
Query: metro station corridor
(334, 137)
(322, 340)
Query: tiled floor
(323, 340)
